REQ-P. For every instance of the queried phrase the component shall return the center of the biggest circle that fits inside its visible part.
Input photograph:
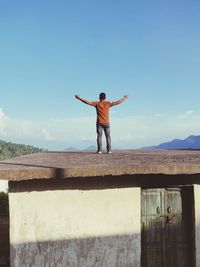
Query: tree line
(10, 150)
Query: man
(102, 108)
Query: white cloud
(3, 120)
(47, 135)
(189, 112)
(80, 132)
(185, 114)
(159, 115)
(2, 116)
(15, 128)
(139, 131)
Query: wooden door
(167, 227)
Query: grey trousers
(106, 128)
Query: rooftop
(49, 165)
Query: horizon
(52, 51)
(93, 147)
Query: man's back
(102, 108)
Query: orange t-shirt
(102, 108)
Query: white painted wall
(86, 228)
(3, 186)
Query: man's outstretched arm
(119, 101)
(83, 100)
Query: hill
(10, 150)
(91, 148)
(192, 142)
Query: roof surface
(89, 164)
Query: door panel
(176, 243)
(152, 224)
(166, 228)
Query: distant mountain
(191, 142)
(71, 148)
(10, 150)
(91, 148)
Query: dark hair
(102, 96)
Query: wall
(75, 227)
(3, 186)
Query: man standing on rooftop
(102, 108)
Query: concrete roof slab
(47, 165)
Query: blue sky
(50, 50)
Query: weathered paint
(197, 222)
(167, 227)
(3, 186)
(86, 228)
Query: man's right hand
(126, 96)
(77, 96)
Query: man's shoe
(99, 152)
(109, 152)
